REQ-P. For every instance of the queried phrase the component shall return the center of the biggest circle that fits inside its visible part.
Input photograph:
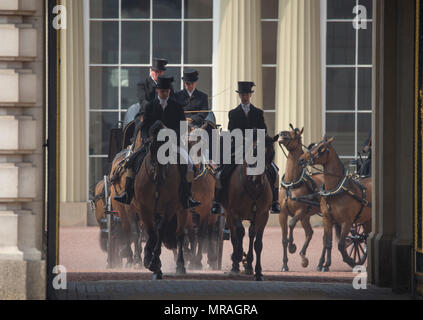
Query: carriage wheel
(356, 244)
(113, 248)
(221, 227)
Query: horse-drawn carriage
(112, 223)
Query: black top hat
(245, 87)
(190, 75)
(164, 82)
(159, 64)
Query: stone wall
(22, 269)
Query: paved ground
(88, 278)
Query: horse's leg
(199, 255)
(322, 257)
(345, 229)
(309, 234)
(180, 263)
(283, 221)
(258, 246)
(250, 257)
(149, 246)
(292, 247)
(211, 246)
(237, 247)
(155, 265)
(327, 239)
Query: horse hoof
(158, 276)
(181, 271)
(304, 262)
(325, 269)
(234, 272)
(319, 268)
(285, 269)
(292, 248)
(138, 266)
(249, 271)
(258, 277)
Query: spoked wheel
(356, 244)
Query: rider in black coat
(193, 99)
(170, 113)
(246, 116)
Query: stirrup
(192, 203)
(276, 208)
(216, 209)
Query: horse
(343, 200)
(99, 206)
(156, 198)
(249, 198)
(298, 196)
(200, 227)
(130, 220)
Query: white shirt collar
(246, 107)
(163, 103)
(190, 93)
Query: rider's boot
(126, 196)
(276, 208)
(217, 208)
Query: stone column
(298, 77)
(239, 54)
(73, 151)
(22, 65)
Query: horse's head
(317, 154)
(291, 139)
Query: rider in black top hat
(193, 99)
(147, 89)
(170, 113)
(246, 116)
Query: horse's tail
(169, 240)
(337, 231)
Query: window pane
(369, 6)
(135, 42)
(176, 73)
(364, 127)
(99, 167)
(167, 9)
(100, 125)
(340, 94)
(341, 9)
(130, 79)
(269, 42)
(269, 9)
(269, 88)
(167, 41)
(340, 43)
(135, 9)
(205, 83)
(104, 83)
(196, 33)
(198, 9)
(104, 42)
(365, 45)
(104, 9)
(269, 119)
(364, 89)
(342, 127)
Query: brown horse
(130, 220)
(249, 198)
(200, 221)
(298, 196)
(157, 199)
(99, 207)
(343, 200)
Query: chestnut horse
(157, 199)
(343, 200)
(298, 196)
(249, 198)
(200, 221)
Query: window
(348, 73)
(269, 24)
(125, 35)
